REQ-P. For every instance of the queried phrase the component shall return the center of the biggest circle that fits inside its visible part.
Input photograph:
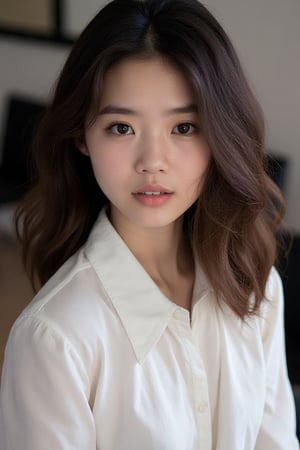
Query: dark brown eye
(184, 128)
(120, 129)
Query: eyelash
(110, 129)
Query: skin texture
(147, 137)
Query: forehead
(146, 81)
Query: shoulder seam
(56, 333)
(44, 299)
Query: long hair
(232, 225)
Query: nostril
(147, 165)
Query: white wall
(266, 34)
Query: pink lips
(152, 188)
(152, 195)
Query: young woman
(151, 228)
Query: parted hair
(233, 224)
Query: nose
(151, 156)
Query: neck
(163, 252)
(166, 256)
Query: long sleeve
(278, 426)
(44, 392)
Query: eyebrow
(115, 109)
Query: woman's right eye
(120, 129)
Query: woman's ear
(82, 147)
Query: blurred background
(35, 38)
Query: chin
(156, 220)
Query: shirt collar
(142, 308)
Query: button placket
(202, 409)
(199, 380)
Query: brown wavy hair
(233, 224)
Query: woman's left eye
(184, 128)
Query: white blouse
(102, 360)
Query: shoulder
(274, 290)
(271, 316)
(76, 304)
(273, 303)
(267, 322)
(72, 307)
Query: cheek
(102, 162)
(196, 171)
(195, 166)
(109, 170)
(101, 167)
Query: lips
(152, 193)
(152, 190)
(153, 196)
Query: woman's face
(146, 146)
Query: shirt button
(202, 407)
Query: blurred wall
(266, 34)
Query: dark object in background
(22, 116)
(276, 168)
(289, 269)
